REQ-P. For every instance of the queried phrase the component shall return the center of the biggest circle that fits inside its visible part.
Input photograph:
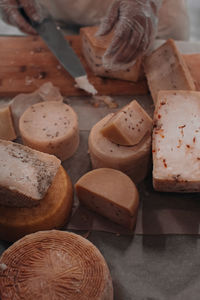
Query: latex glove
(10, 11)
(135, 24)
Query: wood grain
(26, 63)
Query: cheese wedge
(50, 127)
(176, 142)
(110, 193)
(94, 48)
(166, 69)
(25, 174)
(7, 131)
(128, 126)
(52, 211)
(54, 265)
(193, 63)
(133, 160)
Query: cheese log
(128, 126)
(110, 193)
(47, 92)
(133, 160)
(25, 174)
(52, 211)
(193, 63)
(50, 127)
(166, 69)
(7, 131)
(94, 48)
(54, 265)
(176, 142)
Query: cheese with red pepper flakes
(166, 69)
(176, 142)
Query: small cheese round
(132, 160)
(50, 127)
(54, 265)
(51, 212)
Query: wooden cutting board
(26, 63)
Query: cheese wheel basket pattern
(54, 265)
(50, 127)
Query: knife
(59, 46)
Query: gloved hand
(135, 24)
(10, 11)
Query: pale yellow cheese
(7, 131)
(110, 193)
(50, 127)
(132, 160)
(166, 69)
(128, 126)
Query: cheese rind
(7, 131)
(176, 142)
(166, 69)
(128, 126)
(52, 211)
(94, 48)
(133, 160)
(25, 174)
(54, 265)
(110, 193)
(50, 127)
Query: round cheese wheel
(51, 212)
(54, 265)
(50, 127)
(132, 160)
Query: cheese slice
(133, 160)
(52, 211)
(25, 174)
(110, 193)
(94, 48)
(166, 69)
(176, 142)
(193, 63)
(7, 131)
(54, 265)
(50, 127)
(128, 126)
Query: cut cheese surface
(53, 265)
(166, 69)
(110, 193)
(128, 126)
(50, 127)
(25, 174)
(94, 48)
(193, 63)
(7, 131)
(133, 160)
(176, 142)
(51, 212)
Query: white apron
(173, 17)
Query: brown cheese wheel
(52, 211)
(50, 127)
(54, 265)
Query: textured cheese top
(176, 136)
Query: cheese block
(7, 131)
(128, 126)
(94, 48)
(47, 92)
(50, 127)
(25, 174)
(132, 160)
(166, 69)
(54, 265)
(176, 142)
(110, 193)
(52, 211)
(193, 63)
